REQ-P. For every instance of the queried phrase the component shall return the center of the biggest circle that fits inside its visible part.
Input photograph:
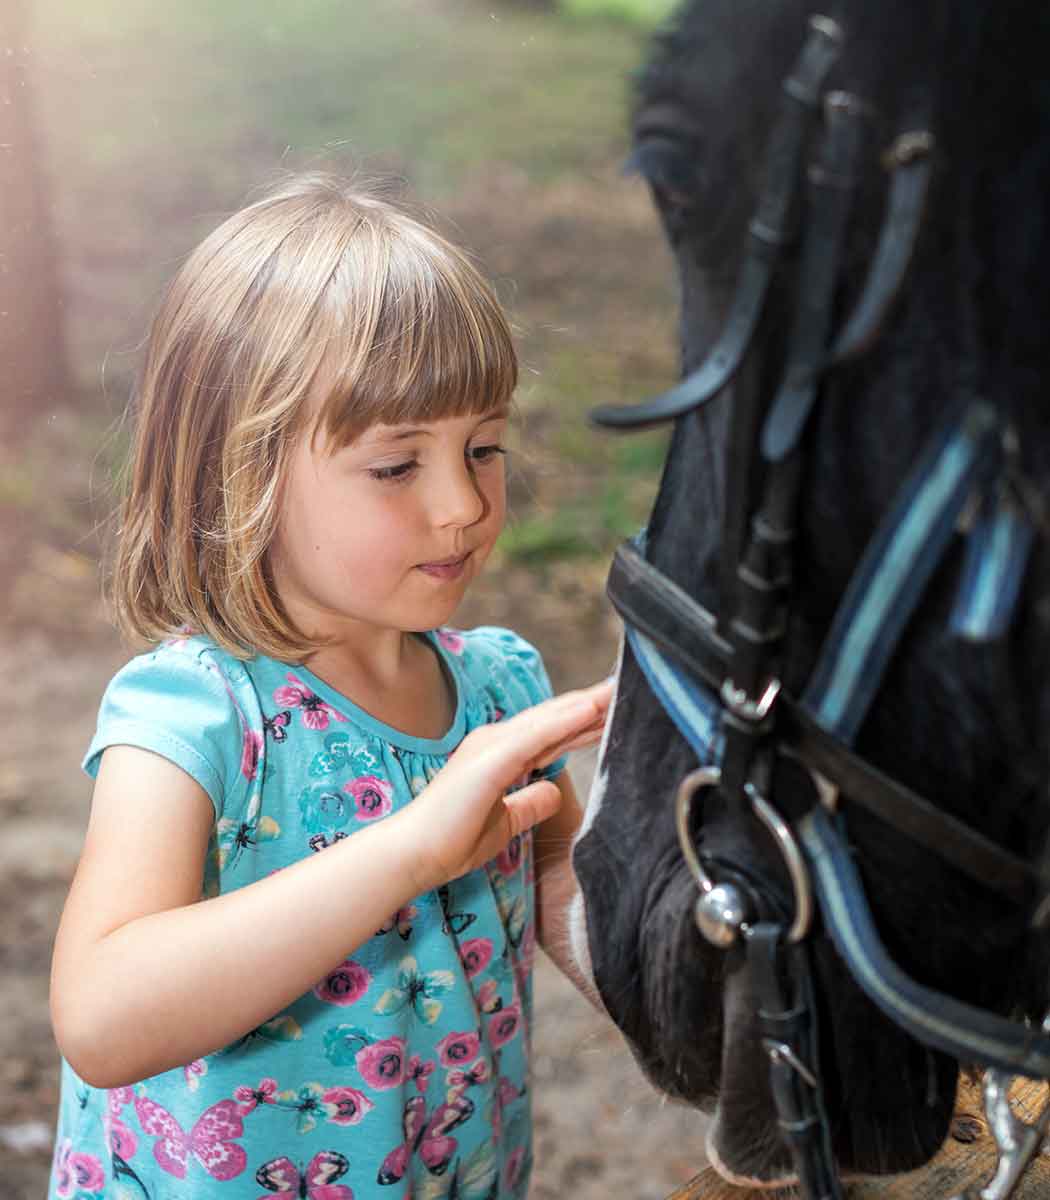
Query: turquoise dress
(402, 1073)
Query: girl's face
(388, 532)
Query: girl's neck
(401, 682)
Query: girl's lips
(449, 568)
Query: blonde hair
(317, 287)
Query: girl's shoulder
(186, 699)
(499, 661)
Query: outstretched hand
(465, 816)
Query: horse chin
(678, 1041)
(701, 1044)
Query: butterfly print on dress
(453, 922)
(417, 990)
(277, 725)
(316, 713)
(316, 1182)
(430, 1137)
(237, 836)
(211, 1141)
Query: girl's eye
(482, 454)
(399, 471)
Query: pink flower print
(346, 1105)
(211, 1141)
(265, 1092)
(451, 640)
(345, 985)
(512, 1169)
(76, 1172)
(457, 1049)
(315, 1182)
(316, 713)
(382, 1064)
(504, 1024)
(419, 1072)
(509, 860)
(251, 751)
(476, 954)
(373, 797)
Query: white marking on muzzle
(740, 1181)
(577, 918)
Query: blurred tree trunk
(33, 366)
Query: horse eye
(668, 154)
(673, 174)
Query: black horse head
(959, 719)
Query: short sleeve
(520, 675)
(171, 702)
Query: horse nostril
(966, 1128)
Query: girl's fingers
(530, 805)
(590, 736)
(564, 717)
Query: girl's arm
(146, 976)
(556, 885)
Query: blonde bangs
(319, 288)
(428, 341)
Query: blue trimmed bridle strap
(997, 552)
(896, 568)
(684, 661)
(696, 713)
(966, 1033)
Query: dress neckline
(388, 733)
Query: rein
(716, 676)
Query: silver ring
(709, 777)
(704, 777)
(793, 860)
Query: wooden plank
(958, 1165)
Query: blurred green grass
(157, 120)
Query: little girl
(296, 954)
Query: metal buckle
(741, 705)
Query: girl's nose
(461, 501)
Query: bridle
(717, 676)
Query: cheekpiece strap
(783, 984)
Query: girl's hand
(464, 816)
